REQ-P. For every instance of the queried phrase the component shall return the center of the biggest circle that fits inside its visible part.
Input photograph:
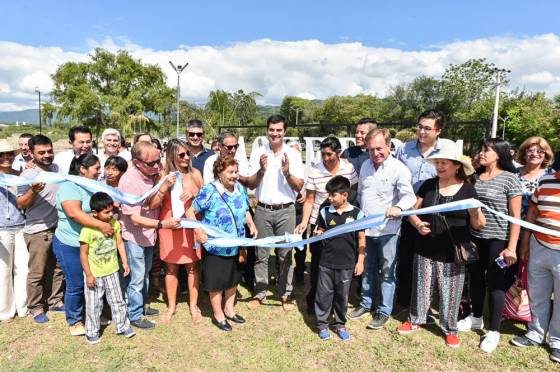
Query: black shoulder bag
(463, 253)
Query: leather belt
(274, 207)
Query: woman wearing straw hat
(13, 250)
(433, 257)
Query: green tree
(115, 89)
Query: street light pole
(40, 118)
(178, 69)
(297, 111)
(504, 120)
(498, 72)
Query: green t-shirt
(102, 256)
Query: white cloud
(308, 68)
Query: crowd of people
(64, 248)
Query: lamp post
(178, 69)
(40, 118)
(504, 120)
(297, 110)
(498, 72)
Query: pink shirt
(134, 182)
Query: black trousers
(333, 287)
(405, 253)
(485, 273)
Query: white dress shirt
(63, 160)
(378, 189)
(274, 188)
(242, 167)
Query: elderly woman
(535, 156)
(72, 204)
(499, 188)
(13, 250)
(177, 247)
(433, 257)
(225, 205)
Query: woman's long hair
(84, 160)
(171, 153)
(502, 149)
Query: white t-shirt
(242, 163)
(19, 163)
(274, 188)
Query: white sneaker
(490, 342)
(470, 323)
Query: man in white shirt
(111, 145)
(24, 155)
(276, 171)
(80, 140)
(384, 186)
(228, 146)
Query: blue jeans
(140, 263)
(69, 259)
(381, 255)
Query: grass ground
(271, 340)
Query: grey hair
(222, 137)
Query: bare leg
(194, 283)
(171, 284)
(229, 306)
(216, 302)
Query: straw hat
(454, 152)
(5, 146)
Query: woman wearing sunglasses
(177, 247)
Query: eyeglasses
(231, 147)
(424, 128)
(195, 134)
(150, 164)
(182, 155)
(537, 151)
(8, 153)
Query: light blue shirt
(68, 230)
(378, 189)
(409, 154)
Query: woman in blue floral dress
(224, 204)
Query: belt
(275, 207)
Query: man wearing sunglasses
(139, 228)
(412, 154)
(195, 141)
(228, 146)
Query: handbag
(463, 253)
(517, 299)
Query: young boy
(98, 255)
(338, 261)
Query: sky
(313, 49)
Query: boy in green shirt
(98, 255)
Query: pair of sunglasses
(196, 134)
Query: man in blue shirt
(412, 154)
(357, 154)
(195, 141)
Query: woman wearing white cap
(433, 257)
(13, 250)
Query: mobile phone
(501, 262)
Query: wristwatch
(160, 224)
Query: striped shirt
(496, 193)
(318, 178)
(547, 200)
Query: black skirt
(220, 272)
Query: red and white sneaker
(406, 328)
(452, 341)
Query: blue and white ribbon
(220, 238)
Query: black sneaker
(555, 355)
(523, 341)
(143, 323)
(379, 320)
(358, 313)
(148, 311)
